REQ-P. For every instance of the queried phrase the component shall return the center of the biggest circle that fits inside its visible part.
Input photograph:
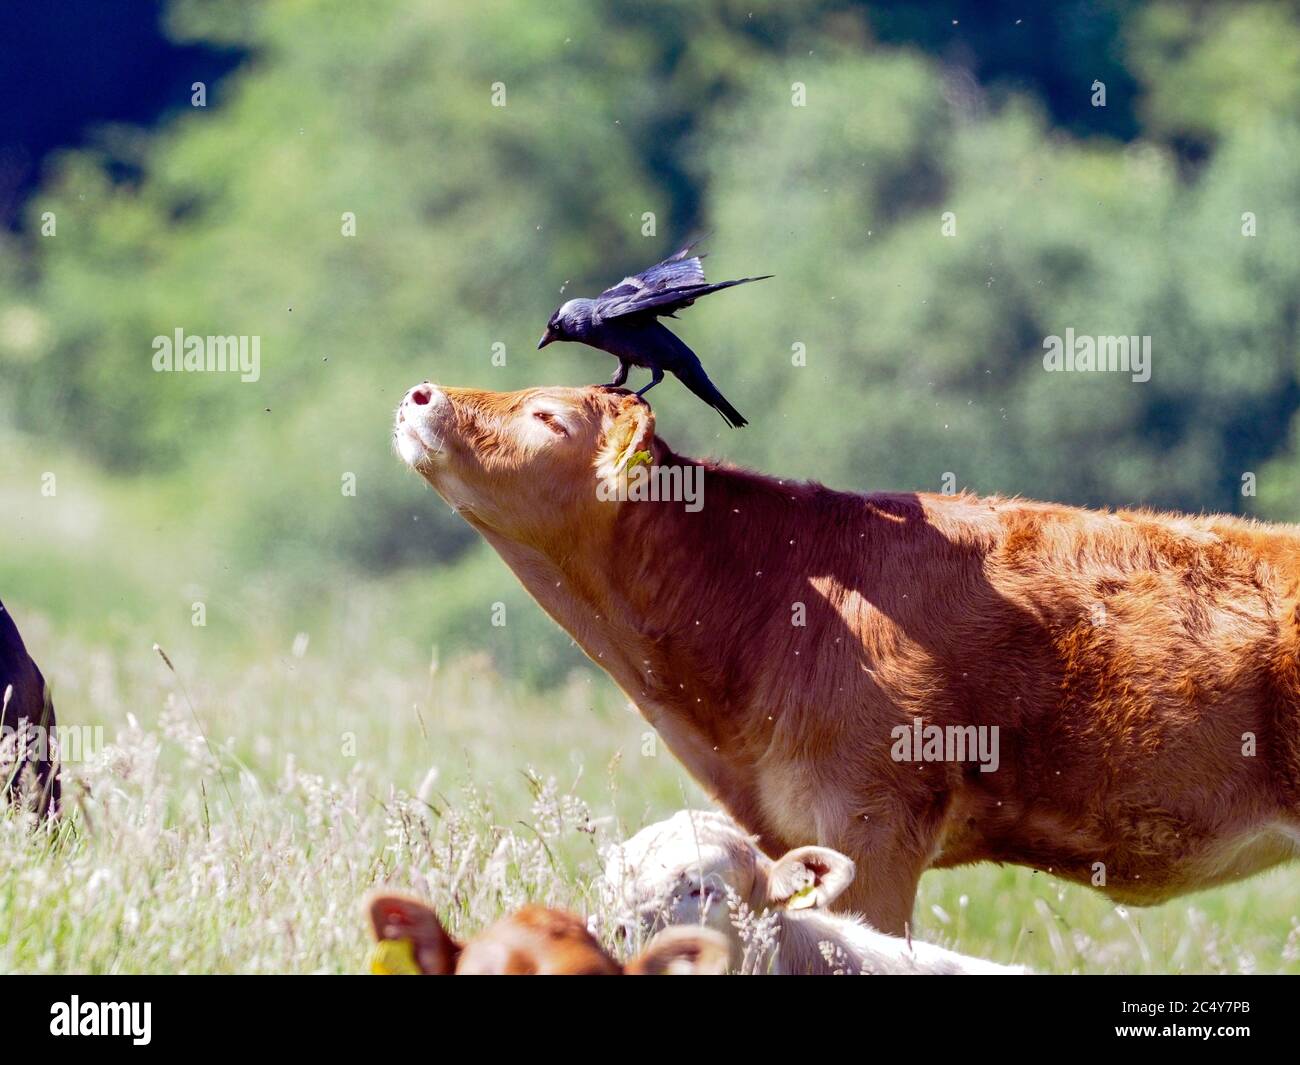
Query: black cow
(27, 704)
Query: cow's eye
(551, 422)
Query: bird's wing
(680, 271)
(677, 271)
(664, 288)
(627, 298)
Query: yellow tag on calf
(803, 898)
(394, 957)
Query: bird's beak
(547, 337)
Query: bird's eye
(550, 421)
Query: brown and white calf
(825, 662)
(535, 941)
(692, 868)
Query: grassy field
(239, 810)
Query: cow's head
(535, 941)
(526, 465)
(684, 871)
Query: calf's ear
(628, 436)
(409, 938)
(683, 950)
(808, 877)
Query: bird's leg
(620, 375)
(656, 375)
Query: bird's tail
(708, 391)
(729, 413)
(674, 355)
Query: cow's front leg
(890, 852)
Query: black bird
(624, 321)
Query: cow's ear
(409, 938)
(683, 950)
(628, 439)
(808, 877)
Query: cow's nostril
(421, 395)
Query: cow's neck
(672, 605)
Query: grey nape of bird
(624, 321)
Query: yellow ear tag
(638, 458)
(803, 898)
(394, 957)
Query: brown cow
(535, 941)
(825, 662)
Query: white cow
(683, 870)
